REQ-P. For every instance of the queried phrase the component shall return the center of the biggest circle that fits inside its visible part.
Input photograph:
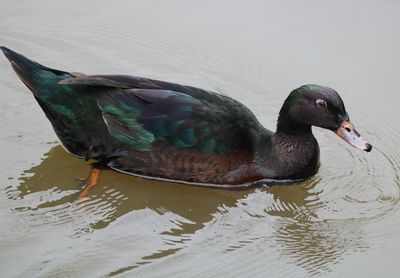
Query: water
(344, 222)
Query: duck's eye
(321, 103)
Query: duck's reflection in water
(167, 218)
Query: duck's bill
(348, 133)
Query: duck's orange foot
(92, 180)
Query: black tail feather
(26, 64)
(25, 68)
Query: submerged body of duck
(168, 131)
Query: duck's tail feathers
(31, 73)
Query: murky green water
(344, 222)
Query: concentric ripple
(357, 184)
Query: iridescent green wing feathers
(140, 118)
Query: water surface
(343, 222)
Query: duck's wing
(140, 113)
(140, 118)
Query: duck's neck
(296, 149)
(287, 126)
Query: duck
(171, 132)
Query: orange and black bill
(348, 133)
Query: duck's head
(315, 105)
